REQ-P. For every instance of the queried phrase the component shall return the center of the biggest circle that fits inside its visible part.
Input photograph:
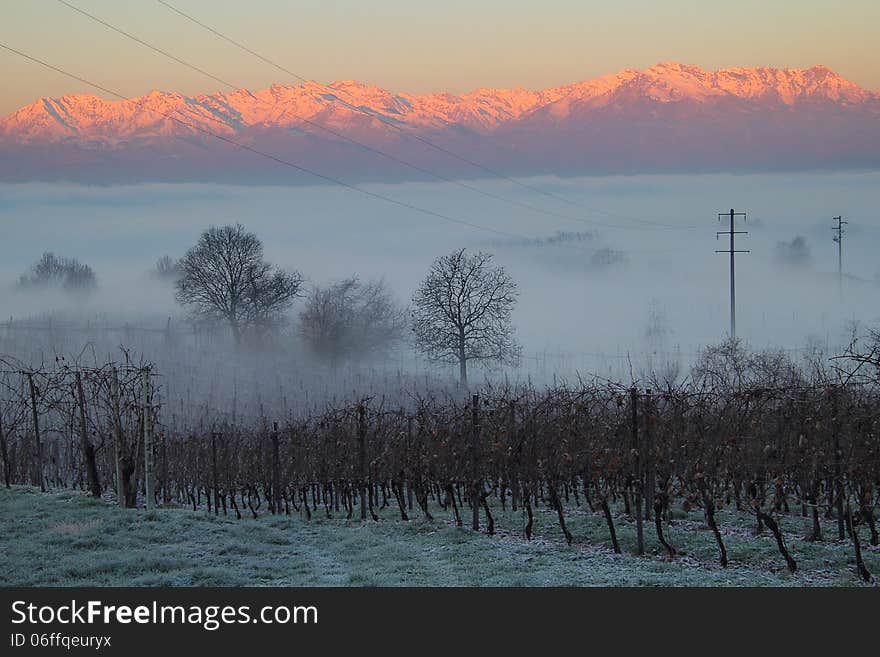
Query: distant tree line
(461, 313)
(53, 272)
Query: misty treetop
(352, 319)
(225, 277)
(794, 253)
(66, 274)
(462, 312)
(167, 269)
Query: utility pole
(276, 471)
(362, 452)
(637, 481)
(148, 439)
(119, 438)
(36, 418)
(732, 251)
(839, 239)
(476, 482)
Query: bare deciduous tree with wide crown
(462, 312)
(224, 277)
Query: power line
(338, 134)
(279, 160)
(423, 140)
(282, 161)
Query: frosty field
(68, 539)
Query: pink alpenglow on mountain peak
(670, 115)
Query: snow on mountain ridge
(88, 117)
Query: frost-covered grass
(69, 539)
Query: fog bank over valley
(630, 277)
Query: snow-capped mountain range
(670, 117)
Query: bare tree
(795, 253)
(860, 361)
(462, 312)
(224, 277)
(732, 366)
(352, 319)
(605, 257)
(167, 268)
(65, 273)
(657, 329)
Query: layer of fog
(646, 259)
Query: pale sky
(419, 47)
